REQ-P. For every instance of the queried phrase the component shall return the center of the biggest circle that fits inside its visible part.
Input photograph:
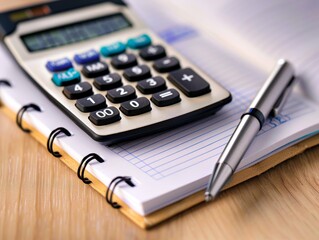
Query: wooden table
(41, 198)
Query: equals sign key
(166, 98)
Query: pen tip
(208, 197)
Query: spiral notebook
(166, 172)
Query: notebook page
(192, 150)
(263, 32)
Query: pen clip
(282, 98)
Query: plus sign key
(189, 82)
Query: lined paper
(172, 152)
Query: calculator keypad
(139, 41)
(166, 64)
(92, 103)
(95, 69)
(152, 52)
(151, 85)
(135, 107)
(87, 57)
(113, 49)
(79, 90)
(59, 65)
(189, 82)
(123, 61)
(107, 82)
(68, 77)
(166, 98)
(124, 69)
(137, 73)
(121, 94)
(105, 116)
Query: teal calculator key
(139, 42)
(113, 49)
(71, 76)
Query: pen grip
(257, 114)
(239, 142)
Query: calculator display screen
(75, 32)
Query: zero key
(189, 82)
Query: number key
(137, 73)
(136, 106)
(121, 94)
(123, 61)
(108, 82)
(151, 85)
(90, 104)
(76, 91)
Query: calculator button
(105, 116)
(59, 65)
(113, 49)
(137, 73)
(136, 106)
(76, 91)
(87, 57)
(68, 77)
(139, 41)
(95, 69)
(123, 61)
(121, 94)
(153, 52)
(166, 98)
(107, 82)
(92, 103)
(151, 85)
(166, 64)
(189, 82)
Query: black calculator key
(105, 116)
(166, 98)
(107, 82)
(189, 82)
(136, 106)
(137, 73)
(152, 52)
(92, 103)
(76, 91)
(151, 85)
(123, 61)
(95, 69)
(166, 64)
(121, 94)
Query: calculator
(106, 70)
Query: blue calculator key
(139, 42)
(87, 57)
(59, 65)
(113, 49)
(68, 77)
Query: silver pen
(267, 102)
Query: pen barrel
(239, 142)
(273, 88)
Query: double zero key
(105, 116)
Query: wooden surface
(41, 198)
